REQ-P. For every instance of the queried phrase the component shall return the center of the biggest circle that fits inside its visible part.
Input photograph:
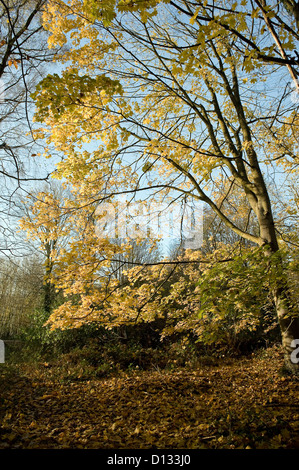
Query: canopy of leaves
(180, 100)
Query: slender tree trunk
(289, 328)
(48, 296)
(49, 292)
(288, 319)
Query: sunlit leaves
(164, 96)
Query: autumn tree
(24, 59)
(175, 96)
(50, 236)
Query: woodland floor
(235, 403)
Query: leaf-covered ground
(233, 403)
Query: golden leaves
(165, 106)
(14, 62)
(218, 406)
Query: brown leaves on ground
(236, 403)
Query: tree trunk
(289, 328)
(48, 296)
(49, 291)
(288, 319)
